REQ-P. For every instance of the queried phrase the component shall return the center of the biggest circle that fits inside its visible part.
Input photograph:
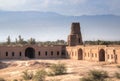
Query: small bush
(27, 75)
(20, 79)
(40, 75)
(1, 79)
(50, 73)
(15, 80)
(86, 79)
(55, 80)
(95, 75)
(117, 75)
(118, 66)
(58, 69)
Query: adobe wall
(18, 52)
(94, 53)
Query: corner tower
(75, 37)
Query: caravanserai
(74, 50)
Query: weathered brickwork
(96, 53)
(31, 51)
(75, 37)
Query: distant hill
(53, 26)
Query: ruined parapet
(75, 37)
(75, 28)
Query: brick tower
(75, 37)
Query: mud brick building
(74, 50)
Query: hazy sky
(15, 26)
(67, 7)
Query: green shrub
(58, 69)
(2, 79)
(27, 75)
(95, 75)
(40, 75)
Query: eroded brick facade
(31, 51)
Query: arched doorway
(102, 55)
(80, 54)
(30, 52)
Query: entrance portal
(80, 54)
(102, 55)
(30, 52)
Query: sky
(65, 7)
(19, 26)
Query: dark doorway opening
(80, 54)
(63, 54)
(30, 52)
(102, 55)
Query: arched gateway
(102, 55)
(30, 52)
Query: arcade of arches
(93, 54)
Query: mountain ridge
(39, 24)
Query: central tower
(75, 37)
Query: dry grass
(76, 69)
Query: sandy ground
(75, 68)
